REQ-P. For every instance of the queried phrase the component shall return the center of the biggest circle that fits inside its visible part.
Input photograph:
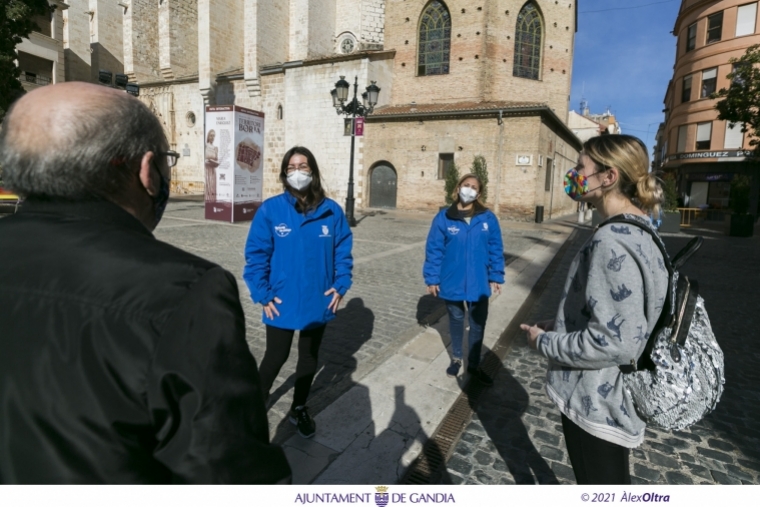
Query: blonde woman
(612, 299)
(464, 261)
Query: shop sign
(710, 154)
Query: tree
(16, 22)
(670, 193)
(741, 100)
(452, 178)
(480, 169)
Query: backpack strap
(644, 361)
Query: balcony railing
(30, 77)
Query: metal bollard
(539, 214)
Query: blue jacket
(462, 259)
(297, 258)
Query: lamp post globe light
(353, 109)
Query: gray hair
(93, 161)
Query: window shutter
(746, 19)
(734, 136)
(704, 130)
(682, 138)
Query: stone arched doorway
(382, 186)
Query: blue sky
(624, 59)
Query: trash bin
(539, 214)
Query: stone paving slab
(380, 425)
(515, 436)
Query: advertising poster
(248, 158)
(233, 156)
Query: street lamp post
(353, 109)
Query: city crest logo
(282, 230)
(381, 496)
(454, 230)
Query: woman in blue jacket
(298, 267)
(464, 261)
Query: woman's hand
(336, 299)
(495, 287)
(433, 290)
(533, 333)
(270, 309)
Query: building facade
(458, 78)
(93, 38)
(41, 56)
(706, 152)
(586, 125)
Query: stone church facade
(458, 78)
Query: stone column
(220, 41)
(141, 41)
(107, 40)
(312, 28)
(178, 37)
(76, 41)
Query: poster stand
(233, 163)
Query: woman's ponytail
(649, 193)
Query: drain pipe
(499, 159)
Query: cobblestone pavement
(515, 435)
(380, 312)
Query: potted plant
(671, 217)
(742, 222)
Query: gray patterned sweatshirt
(612, 299)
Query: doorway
(382, 186)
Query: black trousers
(595, 461)
(277, 352)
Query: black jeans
(595, 461)
(277, 352)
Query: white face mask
(467, 195)
(299, 179)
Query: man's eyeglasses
(171, 157)
(302, 167)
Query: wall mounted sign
(524, 160)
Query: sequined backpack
(680, 375)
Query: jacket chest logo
(325, 232)
(453, 230)
(485, 226)
(282, 230)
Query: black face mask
(161, 198)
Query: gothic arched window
(528, 42)
(435, 40)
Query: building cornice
(373, 55)
(176, 81)
(488, 111)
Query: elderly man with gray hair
(122, 359)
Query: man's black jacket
(122, 359)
